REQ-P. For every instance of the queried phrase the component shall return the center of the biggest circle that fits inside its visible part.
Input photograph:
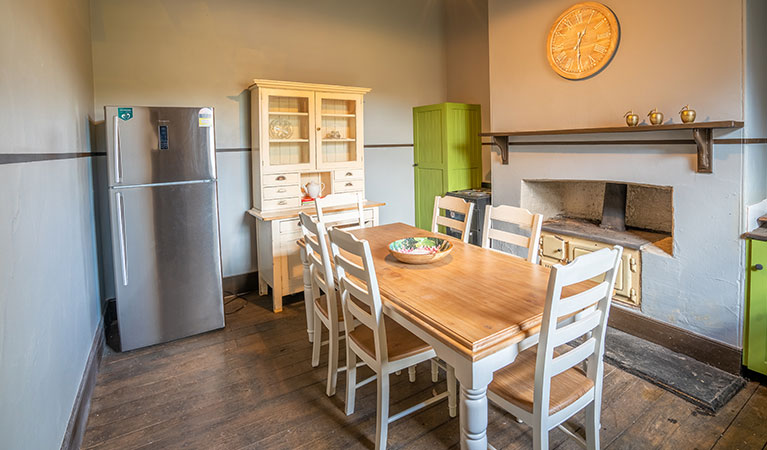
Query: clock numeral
(568, 24)
(579, 16)
(605, 35)
(569, 64)
(558, 47)
(600, 48)
(600, 23)
(561, 56)
(592, 60)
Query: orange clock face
(583, 40)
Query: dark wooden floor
(251, 386)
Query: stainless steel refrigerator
(164, 223)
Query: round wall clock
(583, 40)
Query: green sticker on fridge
(125, 113)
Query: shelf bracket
(704, 139)
(502, 142)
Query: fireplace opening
(634, 215)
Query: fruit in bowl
(420, 250)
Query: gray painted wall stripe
(18, 158)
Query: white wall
(467, 65)
(49, 298)
(154, 52)
(668, 57)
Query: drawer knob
(349, 184)
(280, 178)
(283, 202)
(758, 267)
(348, 174)
(282, 190)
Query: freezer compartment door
(167, 262)
(159, 145)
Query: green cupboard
(447, 153)
(755, 348)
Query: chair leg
(332, 362)
(540, 438)
(434, 371)
(382, 410)
(592, 425)
(317, 342)
(411, 374)
(351, 379)
(451, 388)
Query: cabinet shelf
(338, 115)
(284, 113)
(287, 141)
(338, 140)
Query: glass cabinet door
(339, 130)
(287, 124)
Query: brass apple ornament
(656, 117)
(687, 114)
(632, 119)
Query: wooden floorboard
(251, 386)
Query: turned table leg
(473, 418)
(308, 300)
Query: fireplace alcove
(582, 216)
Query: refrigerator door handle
(121, 234)
(118, 161)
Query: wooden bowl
(420, 250)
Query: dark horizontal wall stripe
(18, 158)
(741, 141)
(232, 150)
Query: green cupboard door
(429, 162)
(464, 146)
(755, 353)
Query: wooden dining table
(478, 308)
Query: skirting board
(240, 284)
(73, 436)
(701, 348)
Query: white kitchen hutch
(301, 132)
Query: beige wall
(467, 63)
(671, 53)
(207, 52)
(49, 288)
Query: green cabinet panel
(447, 153)
(755, 347)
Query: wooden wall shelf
(702, 133)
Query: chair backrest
(516, 216)
(455, 205)
(342, 199)
(318, 254)
(568, 318)
(357, 282)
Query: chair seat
(321, 304)
(400, 342)
(515, 383)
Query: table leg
(308, 301)
(473, 418)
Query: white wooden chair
(327, 311)
(381, 343)
(456, 205)
(354, 219)
(545, 387)
(515, 216)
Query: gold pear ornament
(632, 119)
(687, 114)
(656, 117)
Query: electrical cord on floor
(230, 297)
